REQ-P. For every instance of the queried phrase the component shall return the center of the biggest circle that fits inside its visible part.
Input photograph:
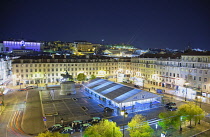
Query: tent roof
(117, 92)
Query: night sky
(142, 23)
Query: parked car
(31, 87)
(107, 109)
(85, 125)
(67, 130)
(170, 104)
(55, 128)
(137, 86)
(95, 120)
(23, 89)
(172, 108)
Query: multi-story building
(163, 72)
(31, 70)
(193, 70)
(1, 47)
(5, 69)
(84, 46)
(22, 45)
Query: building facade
(1, 47)
(9, 46)
(5, 69)
(190, 70)
(49, 70)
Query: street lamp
(143, 82)
(186, 83)
(180, 129)
(200, 105)
(124, 114)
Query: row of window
(52, 75)
(68, 69)
(174, 75)
(61, 65)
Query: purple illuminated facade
(22, 45)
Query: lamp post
(143, 82)
(186, 83)
(124, 114)
(180, 129)
(197, 104)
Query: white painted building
(171, 73)
(5, 69)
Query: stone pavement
(186, 131)
(32, 122)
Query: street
(14, 123)
(11, 117)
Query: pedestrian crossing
(150, 121)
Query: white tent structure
(119, 95)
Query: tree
(50, 134)
(103, 129)
(191, 111)
(92, 77)
(169, 119)
(81, 77)
(139, 127)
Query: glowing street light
(124, 114)
(180, 129)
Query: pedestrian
(61, 121)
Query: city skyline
(144, 24)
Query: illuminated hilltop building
(22, 45)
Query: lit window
(205, 79)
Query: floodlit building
(5, 69)
(48, 69)
(120, 95)
(163, 72)
(84, 46)
(9, 46)
(174, 73)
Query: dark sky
(142, 23)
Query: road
(12, 115)
(15, 105)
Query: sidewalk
(186, 131)
(169, 91)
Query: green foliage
(169, 119)
(92, 77)
(54, 134)
(139, 127)
(103, 129)
(81, 77)
(191, 112)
